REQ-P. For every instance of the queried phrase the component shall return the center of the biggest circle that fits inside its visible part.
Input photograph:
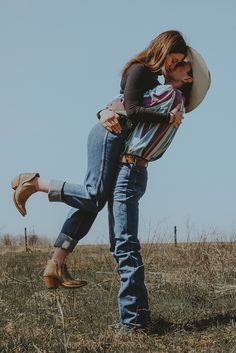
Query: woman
(104, 148)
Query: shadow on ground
(161, 326)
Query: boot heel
(51, 283)
(15, 182)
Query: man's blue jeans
(129, 187)
(87, 200)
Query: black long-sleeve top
(137, 80)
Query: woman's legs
(130, 185)
(104, 150)
(98, 181)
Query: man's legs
(130, 185)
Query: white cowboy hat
(201, 79)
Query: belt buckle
(133, 159)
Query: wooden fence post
(26, 240)
(175, 235)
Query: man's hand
(176, 116)
(110, 121)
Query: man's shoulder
(166, 89)
(162, 94)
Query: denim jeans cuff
(55, 190)
(65, 242)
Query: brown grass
(192, 292)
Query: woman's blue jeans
(129, 187)
(87, 200)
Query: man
(146, 143)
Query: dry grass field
(192, 291)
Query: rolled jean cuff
(65, 242)
(55, 190)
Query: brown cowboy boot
(55, 276)
(23, 190)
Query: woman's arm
(110, 119)
(139, 79)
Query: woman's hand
(176, 116)
(110, 121)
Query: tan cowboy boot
(55, 276)
(23, 190)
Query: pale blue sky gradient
(60, 62)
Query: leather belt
(130, 159)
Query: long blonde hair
(155, 54)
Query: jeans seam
(102, 162)
(77, 227)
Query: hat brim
(201, 79)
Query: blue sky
(60, 62)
